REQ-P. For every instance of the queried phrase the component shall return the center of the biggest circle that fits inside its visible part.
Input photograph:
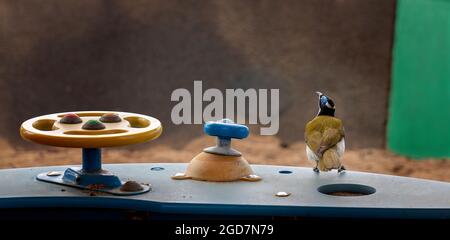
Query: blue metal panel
(394, 197)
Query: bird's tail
(330, 160)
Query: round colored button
(71, 118)
(110, 118)
(93, 125)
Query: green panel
(419, 114)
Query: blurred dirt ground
(256, 149)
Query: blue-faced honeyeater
(324, 137)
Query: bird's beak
(319, 93)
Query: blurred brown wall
(130, 55)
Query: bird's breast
(311, 155)
(340, 147)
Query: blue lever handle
(226, 128)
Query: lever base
(92, 177)
(223, 147)
(102, 181)
(218, 168)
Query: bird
(325, 137)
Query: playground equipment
(92, 131)
(221, 163)
(272, 190)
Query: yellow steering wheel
(91, 129)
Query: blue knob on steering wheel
(225, 130)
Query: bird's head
(326, 105)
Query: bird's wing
(313, 135)
(323, 132)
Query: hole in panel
(346, 190)
(157, 168)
